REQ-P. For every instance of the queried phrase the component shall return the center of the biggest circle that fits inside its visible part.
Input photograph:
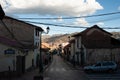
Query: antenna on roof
(2, 14)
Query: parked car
(102, 66)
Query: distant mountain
(58, 39)
(116, 35)
(55, 40)
(44, 37)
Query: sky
(55, 12)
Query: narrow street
(59, 70)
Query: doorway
(20, 64)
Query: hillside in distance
(116, 35)
(55, 40)
(59, 38)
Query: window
(36, 44)
(36, 32)
(77, 42)
(99, 64)
(107, 63)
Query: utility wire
(75, 17)
(56, 25)
(64, 25)
(69, 25)
(61, 30)
(95, 21)
(104, 20)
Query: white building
(24, 39)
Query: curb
(47, 66)
(76, 67)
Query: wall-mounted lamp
(41, 63)
(48, 29)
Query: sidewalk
(28, 75)
(76, 66)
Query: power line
(104, 20)
(56, 24)
(70, 26)
(60, 30)
(75, 17)
(64, 25)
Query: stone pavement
(35, 72)
(59, 70)
(30, 75)
(79, 67)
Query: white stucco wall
(72, 49)
(28, 60)
(6, 60)
(77, 43)
(36, 40)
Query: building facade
(24, 40)
(95, 44)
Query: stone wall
(95, 55)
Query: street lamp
(41, 63)
(48, 29)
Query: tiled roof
(7, 17)
(67, 46)
(72, 41)
(23, 33)
(95, 37)
(45, 46)
(9, 42)
(85, 31)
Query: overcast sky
(65, 8)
